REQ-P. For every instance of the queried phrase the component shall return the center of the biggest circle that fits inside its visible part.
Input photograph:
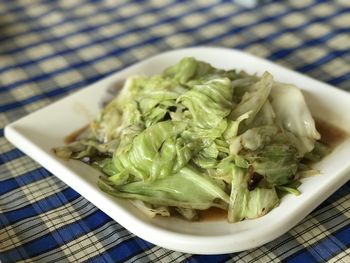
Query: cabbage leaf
(195, 137)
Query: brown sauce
(212, 214)
(74, 135)
(330, 134)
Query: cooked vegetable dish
(195, 137)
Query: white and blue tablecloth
(49, 49)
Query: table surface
(49, 49)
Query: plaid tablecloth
(51, 48)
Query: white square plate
(39, 132)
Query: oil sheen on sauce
(74, 135)
(212, 214)
(330, 134)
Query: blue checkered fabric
(50, 48)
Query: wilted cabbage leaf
(195, 137)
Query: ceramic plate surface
(37, 133)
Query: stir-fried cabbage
(195, 137)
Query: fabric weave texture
(49, 49)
